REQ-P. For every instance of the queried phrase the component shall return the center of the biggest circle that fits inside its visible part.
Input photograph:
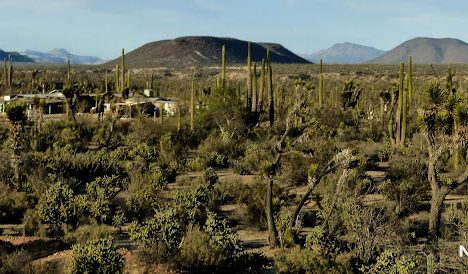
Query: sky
(103, 27)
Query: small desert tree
(444, 134)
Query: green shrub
(407, 194)
(13, 204)
(99, 195)
(285, 233)
(85, 233)
(325, 242)
(15, 111)
(308, 262)
(194, 202)
(142, 201)
(221, 235)
(99, 256)
(198, 255)
(144, 189)
(197, 164)
(254, 156)
(164, 228)
(58, 206)
(391, 262)
(215, 159)
(15, 262)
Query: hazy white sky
(103, 27)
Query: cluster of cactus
(255, 97)
(122, 82)
(398, 124)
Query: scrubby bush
(203, 196)
(215, 248)
(407, 194)
(85, 233)
(391, 262)
(13, 204)
(164, 228)
(57, 206)
(197, 253)
(299, 261)
(99, 195)
(17, 262)
(144, 189)
(99, 256)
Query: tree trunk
(272, 232)
(298, 209)
(437, 203)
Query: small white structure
(54, 101)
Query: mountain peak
(61, 56)
(59, 52)
(426, 50)
(345, 53)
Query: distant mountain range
(15, 57)
(60, 56)
(206, 51)
(427, 51)
(203, 51)
(344, 53)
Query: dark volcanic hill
(203, 51)
(345, 53)
(427, 51)
(15, 57)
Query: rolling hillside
(15, 57)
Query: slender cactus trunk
(192, 104)
(321, 84)
(254, 88)
(399, 107)
(261, 95)
(249, 78)
(272, 231)
(271, 92)
(122, 85)
(223, 67)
